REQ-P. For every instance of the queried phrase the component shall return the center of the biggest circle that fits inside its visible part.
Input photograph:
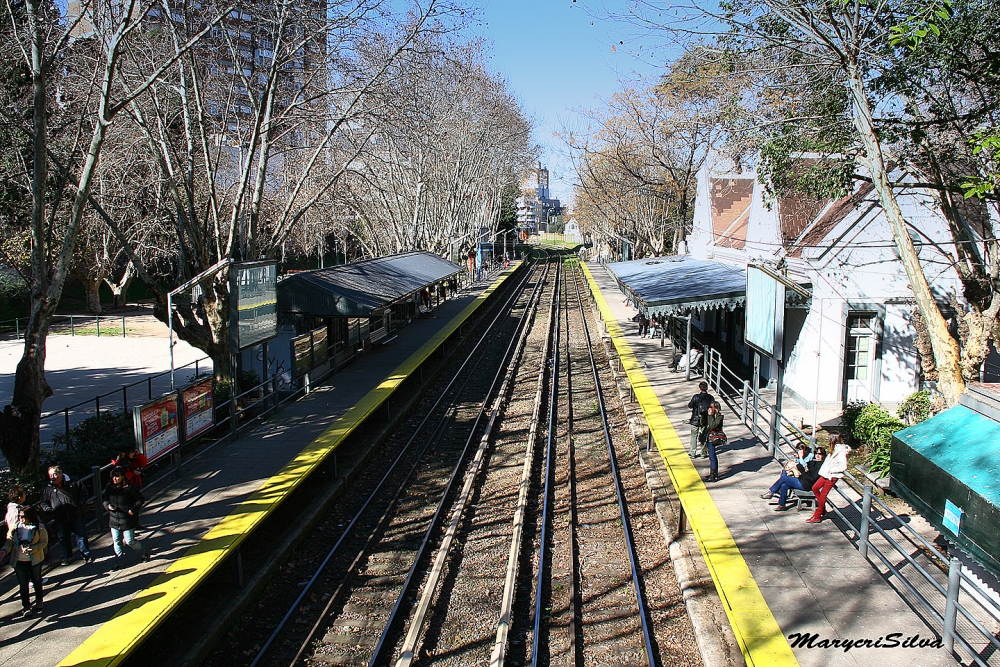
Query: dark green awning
(361, 288)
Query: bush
(850, 416)
(873, 428)
(916, 408)
(93, 442)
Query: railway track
(502, 532)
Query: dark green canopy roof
(361, 288)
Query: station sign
(197, 404)
(253, 293)
(765, 312)
(156, 427)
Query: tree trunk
(946, 350)
(120, 289)
(19, 421)
(92, 289)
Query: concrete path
(79, 598)
(81, 367)
(813, 579)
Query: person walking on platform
(27, 542)
(64, 498)
(832, 469)
(122, 500)
(699, 405)
(132, 462)
(16, 498)
(712, 425)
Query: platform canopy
(360, 289)
(676, 284)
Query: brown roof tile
(839, 210)
(731, 198)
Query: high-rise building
(534, 206)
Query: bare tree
(449, 138)
(59, 197)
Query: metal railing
(142, 390)
(877, 531)
(74, 325)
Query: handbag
(717, 437)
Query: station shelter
(694, 303)
(327, 317)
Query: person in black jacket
(64, 499)
(795, 477)
(699, 405)
(122, 501)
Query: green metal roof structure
(360, 289)
(954, 456)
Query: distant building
(572, 230)
(534, 206)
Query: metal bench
(806, 500)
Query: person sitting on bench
(795, 477)
(682, 361)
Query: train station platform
(95, 615)
(780, 580)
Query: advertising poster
(156, 427)
(319, 345)
(198, 413)
(302, 354)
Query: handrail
(748, 403)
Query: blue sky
(558, 57)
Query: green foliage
(916, 408)
(13, 295)
(508, 207)
(873, 428)
(32, 485)
(916, 27)
(987, 146)
(850, 415)
(94, 441)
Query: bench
(806, 500)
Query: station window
(860, 344)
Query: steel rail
(374, 494)
(647, 632)
(383, 644)
(547, 491)
(513, 558)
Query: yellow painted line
(114, 640)
(757, 632)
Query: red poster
(157, 422)
(198, 413)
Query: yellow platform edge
(111, 643)
(757, 632)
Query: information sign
(765, 312)
(197, 404)
(156, 429)
(254, 293)
(952, 519)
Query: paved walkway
(80, 598)
(81, 367)
(812, 578)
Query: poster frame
(210, 409)
(266, 302)
(145, 411)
